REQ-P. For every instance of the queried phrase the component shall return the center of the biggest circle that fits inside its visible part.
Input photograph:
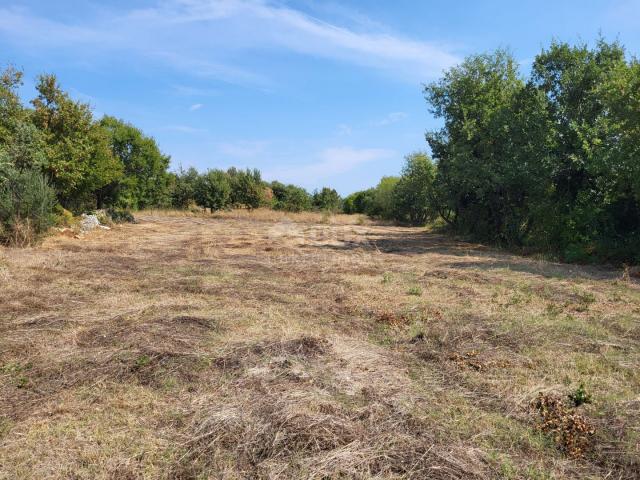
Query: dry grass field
(292, 347)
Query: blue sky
(310, 92)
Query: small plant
(22, 382)
(142, 361)
(580, 396)
(387, 277)
(414, 290)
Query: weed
(387, 277)
(580, 396)
(142, 361)
(414, 290)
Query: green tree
(290, 198)
(79, 158)
(145, 181)
(11, 109)
(482, 181)
(246, 187)
(212, 190)
(183, 193)
(327, 199)
(414, 196)
(382, 203)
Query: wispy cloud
(195, 106)
(209, 38)
(189, 91)
(393, 117)
(329, 163)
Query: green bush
(121, 215)
(27, 204)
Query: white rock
(88, 223)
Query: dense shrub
(548, 162)
(121, 215)
(27, 203)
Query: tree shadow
(477, 257)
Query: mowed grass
(260, 345)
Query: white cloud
(393, 117)
(330, 162)
(195, 106)
(209, 38)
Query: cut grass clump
(571, 431)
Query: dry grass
(269, 215)
(265, 345)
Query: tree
(246, 187)
(481, 185)
(327, 199)
(79, 158)
(212, 190)
(414, 196)
(145, 180)
(382, 201)
(11, 110)
(290, 198)
(183, 192)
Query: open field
(249, 346)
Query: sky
(316, 93)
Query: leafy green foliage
(359, 202)
(327, 199)
(79, 156)
(382, 203)
(246, 187)
(145, 181)
(183, 191)
(27, 203)
(547, 162)
(212, 190)
(290, 198)
(414, 196)
(580, 396)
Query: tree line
(57, 159)
(546, 162)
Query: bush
(121, 215)
(63, 217)
(27, 203)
